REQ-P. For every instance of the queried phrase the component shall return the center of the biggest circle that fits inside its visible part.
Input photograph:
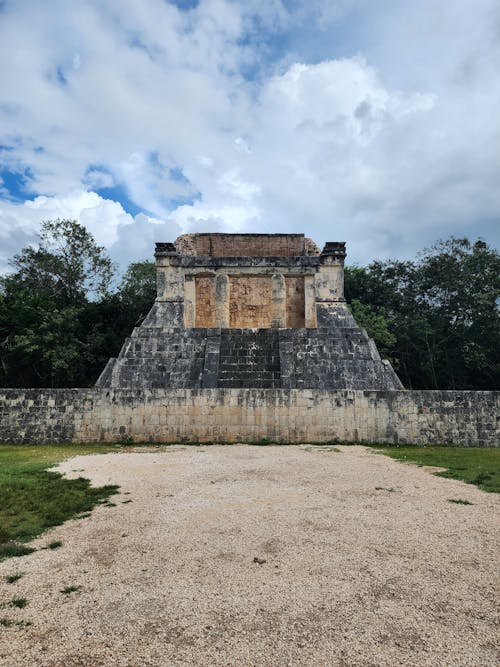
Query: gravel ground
(346, 574)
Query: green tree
(377, 325)
(442, 310)
(137, 290)
(110, 320)
(459, 289)
(45, 338)
(67, 263)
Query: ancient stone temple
(249, 311)
(249, 338)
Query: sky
(375, 122)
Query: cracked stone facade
(264, 311)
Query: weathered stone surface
(306, 373)
(324, 358)
(250, 303)
(205, 301)
(295, 302)
(238, 284)
(466, 418)
(241, 245)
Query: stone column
(189, 302)
(278, 305)
(310, 302)
(222, 301)
(168, 309)
(330, 276)
(169, 276)
(330, 302)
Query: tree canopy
(67, 264)
(442, 311)
(63, 313)
(60, 320)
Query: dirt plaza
(270, 555)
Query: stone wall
(247, 415)
(205, 302)
(243, 245)
(206, 288)
(338, 357)
(250, 301)
(253, 301)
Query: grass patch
(475, 465)
(262, 442)
(459, 501)
(70, 589)
(35, 498)
(383, 488)
(7, 623)
(12, 578)
(10, 549)
(56, 544)
(20, 603)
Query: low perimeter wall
(467, 418)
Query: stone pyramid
(253, 311)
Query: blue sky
(370, 121)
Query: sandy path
(353, 575)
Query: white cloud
(102, 217)
(96, 178)
(387, 142)
(233, 185)
(204, 218)
(124, 236)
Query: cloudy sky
(376, 122)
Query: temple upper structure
(249, 310)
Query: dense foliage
(436, 318)
(60, 320)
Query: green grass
(474, 465)
(70, 589)
(56, 544)
(10, 549)
(12, 578)
(34, 498)
(459, 501)
(7, 623)
(20, 603)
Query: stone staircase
(249, 358)
(340, 356)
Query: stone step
(249, 384)
(324, 358)
(249, 358)
(133, 354)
